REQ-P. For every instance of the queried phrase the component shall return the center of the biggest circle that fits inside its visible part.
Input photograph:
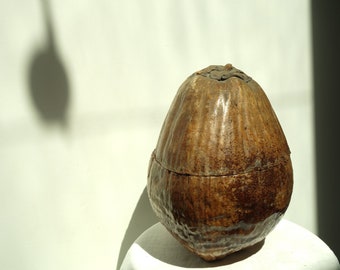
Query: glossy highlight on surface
(220, 177)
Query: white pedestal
(288, 246)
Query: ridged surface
(220, 128)
(220, 177)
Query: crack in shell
(253, 167)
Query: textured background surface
(71, 173)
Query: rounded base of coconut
(216, 242)
(215, 216)
(220, 253)
(208, 257)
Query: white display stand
(288, 246)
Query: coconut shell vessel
(220, 177)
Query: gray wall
(326, 56)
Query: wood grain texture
(220, 177)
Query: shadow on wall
(142, 218)
(48, 82)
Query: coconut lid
(220, 123)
